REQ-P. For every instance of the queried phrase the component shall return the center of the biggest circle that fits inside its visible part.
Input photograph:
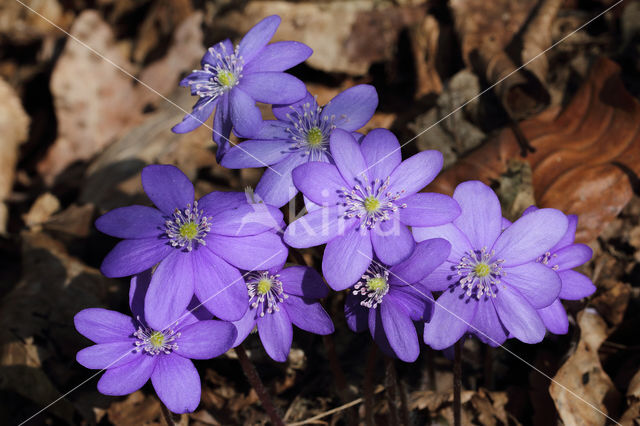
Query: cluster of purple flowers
(206, 273)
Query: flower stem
(392, 388)
(457, 384)
(367, 386)
(171, 418)
(258, 386)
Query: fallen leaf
(612, 300)
(583, 155)
(136, 409)
(41, 210)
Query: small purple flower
(300, 134)
(491, 279)
(233, 79)
(198, 246)
(562, 257)
(132, 352)
(366, 201)
(388, 299)
(281, 297)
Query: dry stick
(488, 367)
(403, 403)
(431, 368)
(367, 386)
(258, 386)
(392, 387)
(457, 384)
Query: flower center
(480, 273)
(154, 342)
(546, 258)
(310, 129)
(226, 78)
(213, 80)
(373, 286)
(187, 227)
(372, 202)
(265, 292)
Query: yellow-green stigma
(376, 284)
(187, 227)
(189, 230)
(482, 269)
(226, 78)
(315, 137)
(371, 204)
(154, 342)
(264, 285)
(157, 339)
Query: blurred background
(80, 119)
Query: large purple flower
(491, 280)
(562, 258)
(281, 297)
(388, 299)
(368, 199)
(233, 79)
(132, 352)
(300, 134)
(198, 246)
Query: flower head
(387, 299)
(365, 203)
(132, 352)
(491, 283)
(197, 245)
(232, 79)
(300, 134)
(279, 298)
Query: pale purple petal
(224, 48)
(346, 258)
(273, 87)
(247, 219)
(416, 300)
(568, 236)
(377, 333)
(220, 286)
(245, 115)
(452, 314)
(167, 187)
(201, 112)
(426, 257)
(486, 325)
(256, 153)
(555, 318)
(355, 314)
(284, 112)
(276, 185)
(127, 378)
(400, 331)
(130, 257)
(258, 37)
(460, 245)
(318, 227)
(441, 278)
(303, 281)
(138, 287)
(353, 108)
(381, 150)
(278, 56)
(222, 126)
(481, 215)
(170, 290)
(530, 236)
(321, 182)
(348, 157)
(205, 339)
(216, 202)
(108, 355)
(571, 256)
(244, 326)
(308, 314)
(177, 383)
(392, 241)
(251, 253)
(536, 282)
(104, 326)
(276, 334)
(505, 223)
(415, 172)
(429, 209)
(575, 285)
(518, 316)
(132, 222)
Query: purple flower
(388, 299)
(131, 352)
(300, 134)
(281, 297)
(198, 246)
(366, 202)
(491, 279)
(562, 257)
(233, 79)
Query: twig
(367, 385)
(258, 386)
(404, 403)
(392, 387)
(457, 384)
